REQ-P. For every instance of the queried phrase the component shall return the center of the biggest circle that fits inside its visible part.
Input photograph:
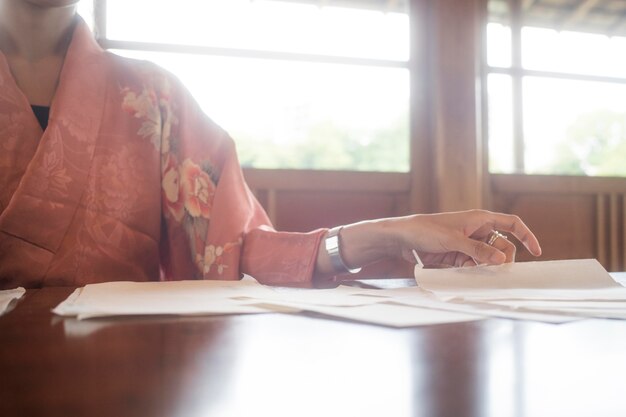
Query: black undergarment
(42, 113)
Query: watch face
(332, 243)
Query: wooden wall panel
(562, 223)
(299, 200)
(573, 217)
(303, 211)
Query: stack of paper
(580, 288)
(556, 291)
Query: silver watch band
(332, 244)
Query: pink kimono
(130, 181)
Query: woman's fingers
(514, 225)
(500, 242)
(470, 252)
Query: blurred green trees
(328, 146)
(595, 145)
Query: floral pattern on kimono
(130, 181)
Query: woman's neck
(34, 40)
(33, 33)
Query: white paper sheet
(417, 297)
(162, 298)
(572, 304)
(598, 294)
(396, 315)
(371, 306)
(520, 276)
(8, 296)
(341, 296)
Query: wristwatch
(332, 244)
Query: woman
(127, 179)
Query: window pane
(498, 45)
(573, 52)
(574, 127)
(262, 25)
(500, 121)
(85, 10)
(286, 114)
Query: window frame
(517, 73)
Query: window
(556, 86)
(297, 84)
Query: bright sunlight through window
(296, 85)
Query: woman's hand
(462, 238)
(441, 240)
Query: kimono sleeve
(213, 226)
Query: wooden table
(304, 365)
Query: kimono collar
(48, 194)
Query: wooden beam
(613, 224)
(423, 192)
(517, 87)
(272, 206)
(446, 166)
(601, 238)
(528, 4)
(249, 53)
(617, 27)
(313, 180)
(623, 265)
(579, 13)
(392, 4)
(556, 184)
(100, 19)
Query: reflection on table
(304, 365)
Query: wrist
(366, 242)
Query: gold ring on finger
(493, 236)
